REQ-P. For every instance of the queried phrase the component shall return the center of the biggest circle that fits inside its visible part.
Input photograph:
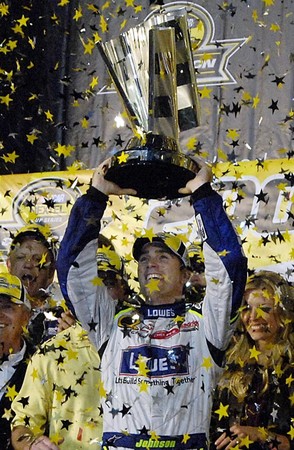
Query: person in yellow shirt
(58, 403)
(59, 399)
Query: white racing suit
(161, 363)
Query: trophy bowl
(155, 169)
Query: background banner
(258, 196)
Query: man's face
(197, 279)
(31, 262)
(13, 318)
(161, 275)
(116, 287)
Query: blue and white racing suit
(161, 363)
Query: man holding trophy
(162, 358)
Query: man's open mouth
(27, 277)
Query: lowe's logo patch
(153, 361)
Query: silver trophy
(151, 66)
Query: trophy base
(153, 173)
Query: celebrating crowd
(93, 366)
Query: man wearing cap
(55, 412)
(32, 258)
(163, 358)
(111, 270)
(195, 286)
(14, 349)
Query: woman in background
(254, 402)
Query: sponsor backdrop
(258, 197)
(59, 108)
(61, 116)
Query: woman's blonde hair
(236, 377)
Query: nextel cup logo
(46, 201)
(211, 56)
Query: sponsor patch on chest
(155, 361)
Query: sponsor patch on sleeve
(201, 227)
